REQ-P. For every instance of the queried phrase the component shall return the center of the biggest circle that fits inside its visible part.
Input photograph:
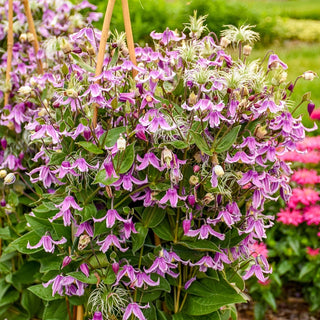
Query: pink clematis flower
(47, 242)
(135, 309)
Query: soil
(290, 309)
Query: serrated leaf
(56, 310)
(226, 142)
(163, 231)
(201, 143)
(89, 146)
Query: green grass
(299, 57)
(297, 9)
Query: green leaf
(65, 69)
(178, 144)
(39, 225)
(269, 298)
(44, 293)
(52, 262)
(226, 142)
(208, 295)
(56, 310)
(56, 158)
(10, 297)
(115, 56)
(153, 216)
(125, 160)
(92, 279)
(30, 302)
(20, 244)
(201, 143)
(201, 245)
(5, 233)
(112, 136)
(306, 269)
(182, 316)
(139, 238)
(163, 231)
(89, 146)
(81, 63)
(259, 311)
(89, 211)
(101, 177)
(232, 238)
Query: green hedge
(149, 15)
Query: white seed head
(71, 93)
(23, 37)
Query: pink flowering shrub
(293, 243)
(153, 212)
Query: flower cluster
(169, 188)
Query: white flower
(309, 75)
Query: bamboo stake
(79, 312)
(128, 29)
(9, 51)
(32, 30)
(102, 49)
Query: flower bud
(290, 87)
(3, 143)
(23, 37)
(10, 125)
(84, 240)
(191, 200)
(224, 42)
(3, 173)
(186, 225)
(247, 50)
(97, 316)
(309, 75)
(91, 50)
(30, 37)
(121, 143)
(196, 168)
(65, 46)
(24, 90)
(3, 203)
(193, 180)
(115, 267)
(10, 178)
(166, 156)
(66, 261)
(209, 197)
(311, 107)
(218, 170)
(260, 132)
(85, 270)
(192, 99)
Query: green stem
(130, 194)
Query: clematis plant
(154, 204)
